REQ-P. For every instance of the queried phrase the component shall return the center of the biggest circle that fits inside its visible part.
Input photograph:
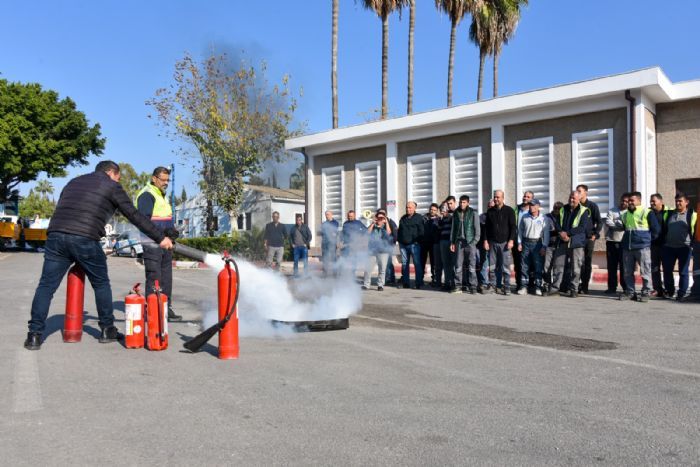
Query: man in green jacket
(466, 231)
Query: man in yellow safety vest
(641, 227)
(152, 203)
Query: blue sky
(111, 56)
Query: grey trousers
(380, 259)
(575, 256)
(274, 252)
(465, 270)
(499, 263)
(630, 258)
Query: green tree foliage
(40, 133)
(44, 188)
(297, 181)
(36, 203)
(234, 119)
(131, 180)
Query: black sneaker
(110, 334)
(552, 291)
(172, 316)
(464, 288)
(572, 294)
(406, 286)
(610, 292)
(364, 287)
(33, 341)
(380, 288)
(623, 297)
(506, 290)
(643, 297)
(472, 290)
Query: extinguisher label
(165, 317)
(132, 313)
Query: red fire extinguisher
(228, 298)
(157, 322)
(75, 299)
(134, 311)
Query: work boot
(643, 297)
(110, 334)
(552, 292)
(33, 341)
(172, 316)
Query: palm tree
(411, 29)
(383, 8)
(334, 62)
(44, 188)
(455, 9)
(507, 18)
(482, 32)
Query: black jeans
(426, 249)
(656, 262)
(613, 253)
(587, 268)
(60, 252)
(159, 267)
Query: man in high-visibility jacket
(679, 227)
(152, 203)
(573, 226)
(695, 242)
(641, 227)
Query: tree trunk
(334, 63)
(411, 28)
(495, 73)
(451, 62)
(482, 60)
(385, 66)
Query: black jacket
(411, 229)
(500, 225)
(565, 223)
(88, 202)
(596, 219)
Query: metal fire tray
(314, 326)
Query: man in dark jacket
(411, 233)
(300, 237)
(500, 237)
(431, 244)
(447, 257)
(594, 234)
(465, 233)
(573, 225)
(273, 240)
(84, 208)
(661, 212)
(158, 263)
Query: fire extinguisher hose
(198, 341)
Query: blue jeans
(301, 253)
(531, 259)
(62, 250)
(670, 256)
(483, 267)
(409, 251)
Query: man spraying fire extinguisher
(152, 203)
(86, 204)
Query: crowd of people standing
(551, 252)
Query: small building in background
(259, 202)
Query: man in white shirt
(533, 238)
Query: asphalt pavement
(420, 378)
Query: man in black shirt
(275, 235)
(595, 232)
(500, 237)
(411, 231)
(84, 208)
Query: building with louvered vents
(635, 129)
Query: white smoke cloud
(266, 295)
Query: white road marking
(26, 388)
(571, 353)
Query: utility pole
(172, 191)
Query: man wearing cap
(533, 238)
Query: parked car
(128, 245)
